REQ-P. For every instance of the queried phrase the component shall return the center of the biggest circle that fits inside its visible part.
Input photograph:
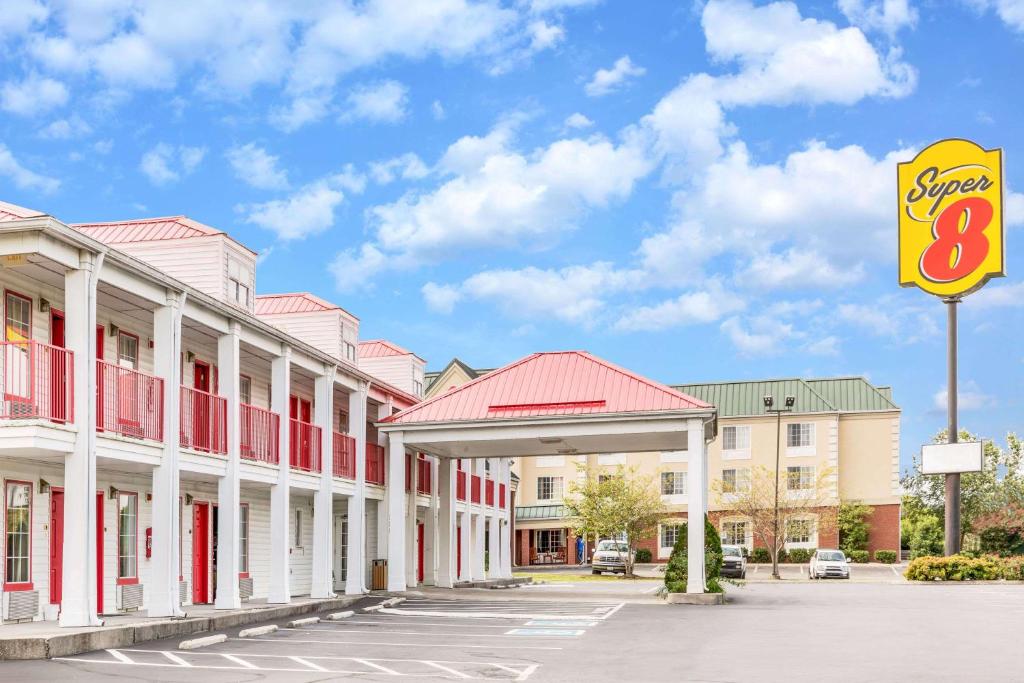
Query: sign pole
(953, 479)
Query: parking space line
(442, 667)
(390, 672)
(368, 642)
(306, 662)
(397, 633)
(120, 656)
(390, 622)
(238, 660)
(523, 675)
(176, 659)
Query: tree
(853, 526)
(677, 571)
(626, 503)
(798, 498)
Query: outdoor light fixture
(189, 357)
(44, 486)
(790, 401)
(44, 305)
(112, 493)
(768, 401)
(188, 499)
(113, 329)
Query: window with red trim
(243, 540)
(128, 350)
(127, 538)
(245, 389)
(18, 535)
(17, 317)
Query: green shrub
(783, 555)
(643, 555)
(886, 556)
(761, 556)
(799, 555)
(676, 571)
(1013, 568)
(852, 523)
(857, 556)
(926, 538)
(962, 568)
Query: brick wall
(884, 532)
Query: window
(550, 540)
(239, 283)
(735, 438)
(549, 488)
(799, 435)
(735, 480)
(734, 533)
(297, 530)
(17, 318)
(127, 537)
(245, 389)
(673, 483)
(350, 351)
(799, 478)
(669, 535)
(18, 525)
(127, 350)
(243, 539)
(799, 530)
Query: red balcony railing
(374, 464)
(475, 490)
(489, 492)
(501, 496)
(460, 484)
(304, 446)
(423, 474)
(344, 456)
(204, 421)
(260, 434)
(129, 402)
(38, 382)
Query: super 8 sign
(951, 218)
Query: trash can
(380, 575)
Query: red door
(419, 552)
(200, 553)
(201, 407)
(58, 369)
(302, 410)
(100, 378)
(458, 551)
(99, 552)
(56, 544)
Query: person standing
(580, 554)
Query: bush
(853, 527)
(857, 556)
(761, 556)
(676, 571)
(783, 555)
(643, 555)
(886, 556)
(963, 568)
(799, 555)
(926, 538)
(1001, 540)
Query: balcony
(129, 402)
(489, 492)
(501, 496)
(423, 475)
(259, 434)
(475, 489)
(38, 382)
(304, 446)
(460, 484)
(374, 464)
(344, 456)
(204, 421)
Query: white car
(828, 564)
(609, 556)
(734, 565)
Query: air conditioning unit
(183, 594)
(129, 597)
(245, 588)
(20, 605)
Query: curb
(197, 643)
(257, 631)
(338, 616)
(299, 623)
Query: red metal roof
(298, 302)
(544, 384)
(13, 212)
(378, 348)
(146, 230)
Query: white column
(78, 603)
(395, 498)
(355, 576)
(229, 495)
(465, 563)
(696, 506)
(507, 551)
(433, 518)
(323, 499)
(280, 377)
(162, 597)
(493, 546)
(478, 573)
(411, 537)
(445, 488)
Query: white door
(340, 551)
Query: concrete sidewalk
(45, 639)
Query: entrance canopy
(559, 403)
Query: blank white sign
(950, 458)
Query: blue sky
(697, 191)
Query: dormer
(198, 255)
(316, 321)
(393, 364)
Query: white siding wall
(301, 559)
(321, 329)
(197, 261)
(395, 370)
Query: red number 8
(956, 253)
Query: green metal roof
(539, 512)
(744, 399)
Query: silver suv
(609, 556)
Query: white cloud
(356, 268)
(440, 298)
(998, 296)
(22, 177)
(607, 81)
(540, 6)
(888, 16)
(544, 36)
(300, 111)
(968, 398)
(695, 307)
(437, 110)
(1011, 12)
(103, 146)
(886, 318)
(797, 268)
(32, 96)
(308, 211)
(381, 102)
(165, 164)
(577, 121)
(255, 167)
(65, 129)
(407, 167)
(19, 16)
(825, 346)
(760, 336)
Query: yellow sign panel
(951, 218)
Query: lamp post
(769, 402)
